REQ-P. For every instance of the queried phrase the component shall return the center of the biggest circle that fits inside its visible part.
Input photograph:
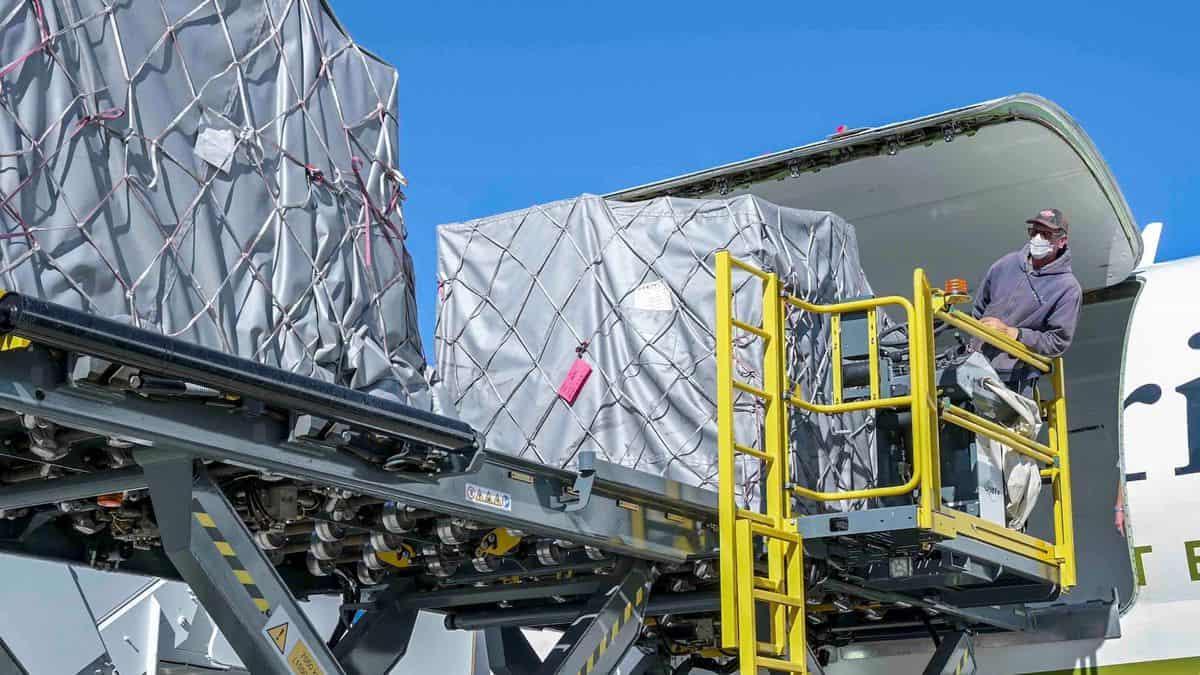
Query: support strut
(597, 642)
(214, 553)
(380, 638)
(955, 655)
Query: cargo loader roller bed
(126, 450)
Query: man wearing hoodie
(1032, 296)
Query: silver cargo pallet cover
(588, 324)
(225, 174)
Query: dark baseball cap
(1051, 218)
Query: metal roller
(329, 532)
(385, 541)
(370, 558)
(486, 563)
(438, 565)
(368, 576)
(270, 540)
(398, 518)
(319, 568)
(451, 531)
(324, 550)
(553, 551)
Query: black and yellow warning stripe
(610, 636)
(226, 551)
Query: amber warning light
(956, 287)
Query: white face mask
(1039, 247)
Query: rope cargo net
(621, 296)
(224, 173)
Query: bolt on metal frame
(782, 590)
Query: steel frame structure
(641, 523)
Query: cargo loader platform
(129, 451)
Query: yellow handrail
(865, 404)
(873, 402)
(969, 324)
(852, 306)
(984, 427)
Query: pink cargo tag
(576, 377)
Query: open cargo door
(950, 193)
(947, 192)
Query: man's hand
(998, 325)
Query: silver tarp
(528, 298)
(224, 173)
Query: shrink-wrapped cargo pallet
(589, 324)
(222, 172)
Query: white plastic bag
(1022, 475)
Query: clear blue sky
(504, 105)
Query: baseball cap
(1051, 218)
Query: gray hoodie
(1042, 304)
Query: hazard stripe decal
(608, 638)
(239, 570)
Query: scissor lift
(623, 558)
(978, 564)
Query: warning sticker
(278, 634)
(302, 662)
(289, 644)
(489, 497)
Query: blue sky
(504, 105)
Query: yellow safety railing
(1055, 456)
(782, 590)
(916, 401)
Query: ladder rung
(780, 664)
(753, 390)
(767, 584)
(778, 598)
(755, 517)
(752, 329)
(753, 452)
(768, 649)
(775, 533)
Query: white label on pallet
(653, 297)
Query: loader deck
(128, 451)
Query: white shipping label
(216, 146)
(653, 297)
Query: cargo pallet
(610, 533)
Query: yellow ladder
(781, 591)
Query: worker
(1032, 296)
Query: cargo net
(589, 324)
(224, 173)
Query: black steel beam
(71, 330)
(554, 615)
(39, 492)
